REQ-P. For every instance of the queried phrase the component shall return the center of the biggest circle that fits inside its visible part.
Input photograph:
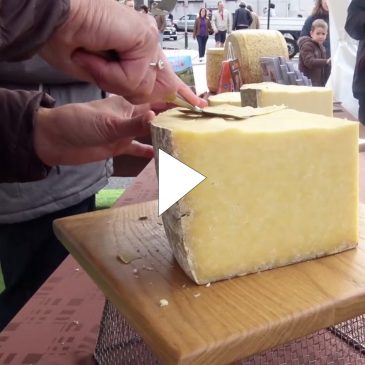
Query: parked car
(170, 31)
(180, 23)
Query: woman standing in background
(202, 29)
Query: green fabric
(105, 198)
(2, 285)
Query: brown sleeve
(25, 25)
(18, 159)
(195, 31)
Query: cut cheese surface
(318, 100)
(231, 98)
(280, 188)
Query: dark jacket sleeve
(355, 22)
(355, 27)
(234, 26)
(18, 160)
(196, 26)
(25, 25)
(307, 27)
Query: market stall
(303, 313)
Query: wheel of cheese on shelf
(231, 98)
(213, 67)
(250, 45)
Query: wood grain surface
(226, 321)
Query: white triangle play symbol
(175, 179)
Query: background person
(355, 27)
(160, 19)
(272, 9)
(29, 250)
(202, 29)
(242, 17)
(255, 18)
(313, 61)
(222, 24)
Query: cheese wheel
(318, 100)
(231, 98)
(250, 45)
(213, 67)
(280, 188)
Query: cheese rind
(318, 100)
(215, 56)
(252, 44)
(280, 188)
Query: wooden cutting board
(226, 321)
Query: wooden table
(59, 325)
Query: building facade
(283, 8)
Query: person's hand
(96, 26)
(85, 132)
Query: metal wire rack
(344, 344)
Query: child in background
(312, 57)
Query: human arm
(307, 27)
(18, 159)
(27, 24)
(309, 59)
(214, 24)
(250, 18)
(195, 30)
(257, 22)
(74, 38)
(33, 136)
(355, 21)
(229, 28)
(210, 28)
(83, 132)
(234, 25)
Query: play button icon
(175, 179)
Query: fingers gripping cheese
(280, 188)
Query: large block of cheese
(250, 45)
(318, 100)
(230, 98)
(280, 188)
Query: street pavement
(191, 43)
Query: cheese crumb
(207, 285)
(197, 295)
(163, 303)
